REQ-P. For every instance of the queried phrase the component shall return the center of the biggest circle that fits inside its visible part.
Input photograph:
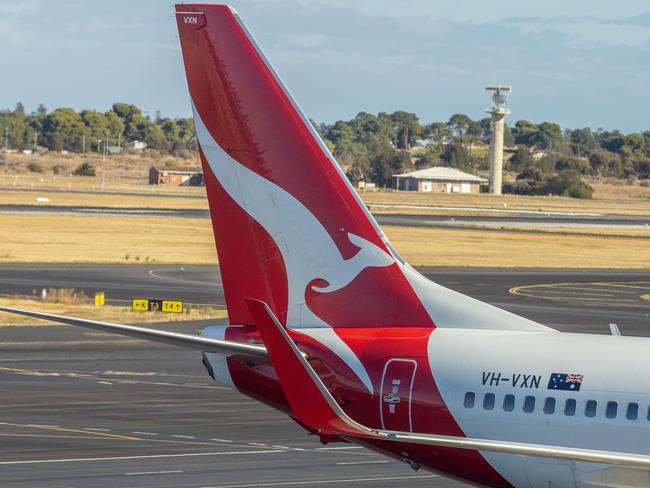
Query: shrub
(58, 169)
(171, 164)
(85, 169)
(532, 181)
(35, 168)
(66, 296)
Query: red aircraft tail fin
(290, 229)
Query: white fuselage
(518, 365)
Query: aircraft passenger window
(549, 405)
(509, 403)
(632, 411)
(488, 401)
(611, 410)
(529, 404)
(590, 408)
(469, 399)
(570, 407)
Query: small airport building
(439, 179)
(181, 177)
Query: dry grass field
(117, 239)
(120, 315)
(462, 247)
(608, 199)
(105, 239)
(129, 173)
(134, 239)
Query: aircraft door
(395, 396)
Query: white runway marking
(144, 433)
(220, 440)
(184, 437)
(152, 472)
(97, 430)
(257, 444)
(326, 482)
(337, 448)
(362, 462)
(128, 458)
(104, 383)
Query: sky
(575, 62)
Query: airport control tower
(498, 110)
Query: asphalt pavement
(80, 408)
(510, 219)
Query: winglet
(308, 397)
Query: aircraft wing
(190, 341)
(315, 407)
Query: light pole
(104, 160)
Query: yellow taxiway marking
(600, 289)
(44, 436)
(107, 436)
(571, 292)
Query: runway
(516, 219)
(81, 408)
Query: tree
(96, 128)
(642, 167)
(155, 137)
(41, 111)
(582, 141)
(427, 159)
(605, 163)
(385, 161)
(64, 129)
(568, 184)
(341, 132)
(439, 132)
(460, 123)
(522, 158)
(19, 111)
(574, 163)
(612, 141)
(134, 122)
(525, 132)
(84, 169)
(456, 155)
(548, 135)
(114, 126)
(407, 128)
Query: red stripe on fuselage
(374, 347)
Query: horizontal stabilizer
(314, 406)
(172, 338)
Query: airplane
(329, 324)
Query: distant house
(439, 179)
(179, 177)
(136, 146)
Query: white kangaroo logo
(308, 250)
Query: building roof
(177, 171)
(442, 173)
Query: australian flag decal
(567, 382)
